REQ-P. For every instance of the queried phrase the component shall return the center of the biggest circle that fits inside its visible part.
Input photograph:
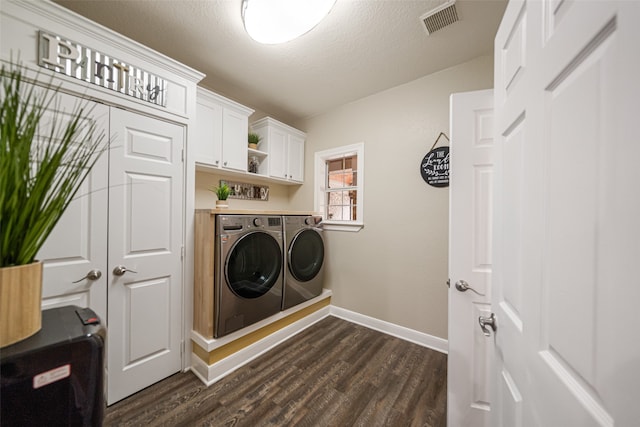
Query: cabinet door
(234, 140)
(76, 245)
(278, 153)
(208, 134)
(296, 158)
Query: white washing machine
(304, 270)
(248, 270)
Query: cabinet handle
(217, 162)
(225, 163)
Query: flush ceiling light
(278, 21)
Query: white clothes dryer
(248, 270)
(304, 271)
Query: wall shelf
(251, 177)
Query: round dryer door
(306, 255)
(253, 265)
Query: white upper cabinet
(285, 146)
(295, 157)
(235, 125)
(221, 132)
(275, 140)
(208, 133)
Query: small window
(339, 187)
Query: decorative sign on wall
(80, 62)
(246, 191)
(434, 167)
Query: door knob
(463, 286)
(486, 323)
(91, 275)
(119, 270)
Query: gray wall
(395, 268)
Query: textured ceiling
(362, 47)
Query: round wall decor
(434, 167)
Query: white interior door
(566, 217)
(470, 215)
(145, 242)
(76, 246)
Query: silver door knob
(119, 270)
(463, 286)
(91, 275)
(486, 323)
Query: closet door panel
(145, 246)
(77, 245)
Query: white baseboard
(411, 335)
(209, 374)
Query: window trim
(320, 173)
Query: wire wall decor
(247, 191)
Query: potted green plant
(42, 165)
(254, 140)
(222, 192)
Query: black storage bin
(55, 377)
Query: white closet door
(145, 242)
(77, 244)
(565, 293)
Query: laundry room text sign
(86, 64)
(246, 191)
(434, 167)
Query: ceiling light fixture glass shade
(279, 21)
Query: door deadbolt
(486, 323)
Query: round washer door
(306, 255)
(253, 265)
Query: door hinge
(182, 155)
(182, 348)
(181, 252)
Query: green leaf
(40, 171)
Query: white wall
(394, 269)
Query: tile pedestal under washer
(248, 270)
(304, 271)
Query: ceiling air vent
(440, 17)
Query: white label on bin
(51, 376)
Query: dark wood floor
(334, 373)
